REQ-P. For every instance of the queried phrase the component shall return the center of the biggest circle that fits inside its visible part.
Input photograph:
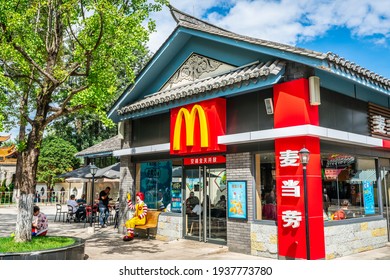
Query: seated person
(269, 209)
(191, 201)
(221, 202)
(39, 225)
(343, 212)
(75, 206)
(197, 210)
(81, 211)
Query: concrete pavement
(107, 244)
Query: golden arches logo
(190, 126)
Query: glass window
(156, 183)
(265, 187)
(349, 186)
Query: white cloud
(284, 21)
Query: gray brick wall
(127, 176)
(239, 167)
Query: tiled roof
(7, 151)
(188, 21)
(104, 147)
(333, 60)
(356, 70)
(248, 73)
(4, 138)
(245, 74)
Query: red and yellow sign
(195, 128)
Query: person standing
(139, 218)
(326, 201)
(103, 206)
(39, 225)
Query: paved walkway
(107, 244)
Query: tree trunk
(26, 181)
(24, 218)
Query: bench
(151, 221)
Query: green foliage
(57, 157)
(60, 58)
(81, 130)
(8, 245)
(69, 57)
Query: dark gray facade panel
(344, 113)
(266, 146)
(151, 130)
(247, 112)
(371, 95)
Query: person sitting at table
(39, 226)
(269, 209)
(81, 211)
(191, 201)
(221, 202)
(72, 202)
(139, 218)
(343, 212)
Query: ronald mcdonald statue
(139, 217)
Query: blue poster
(237, 203)
(368, 198)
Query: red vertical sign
(292, 108)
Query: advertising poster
(368, 198)
(176, 197)
(237, 202)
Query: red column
(292, 107)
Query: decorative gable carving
(196, 67)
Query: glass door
(205, 204)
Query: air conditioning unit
(269, 106)
(314, 90)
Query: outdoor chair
(91, 215)
(70, 214)
(59, 213)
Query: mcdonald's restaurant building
(288, 136)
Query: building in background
(8, 156)
(216, 114)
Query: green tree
(60, 57)
(56, 157)
(82, 131)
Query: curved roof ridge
(188, 21)
(192, 22)
(182, 18)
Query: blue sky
(358, 30)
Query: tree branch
(61, 112)
(29, 59)
(71, 72)
(74, 36)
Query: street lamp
(93, 169)
(304, 156)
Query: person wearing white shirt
(72, 202)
